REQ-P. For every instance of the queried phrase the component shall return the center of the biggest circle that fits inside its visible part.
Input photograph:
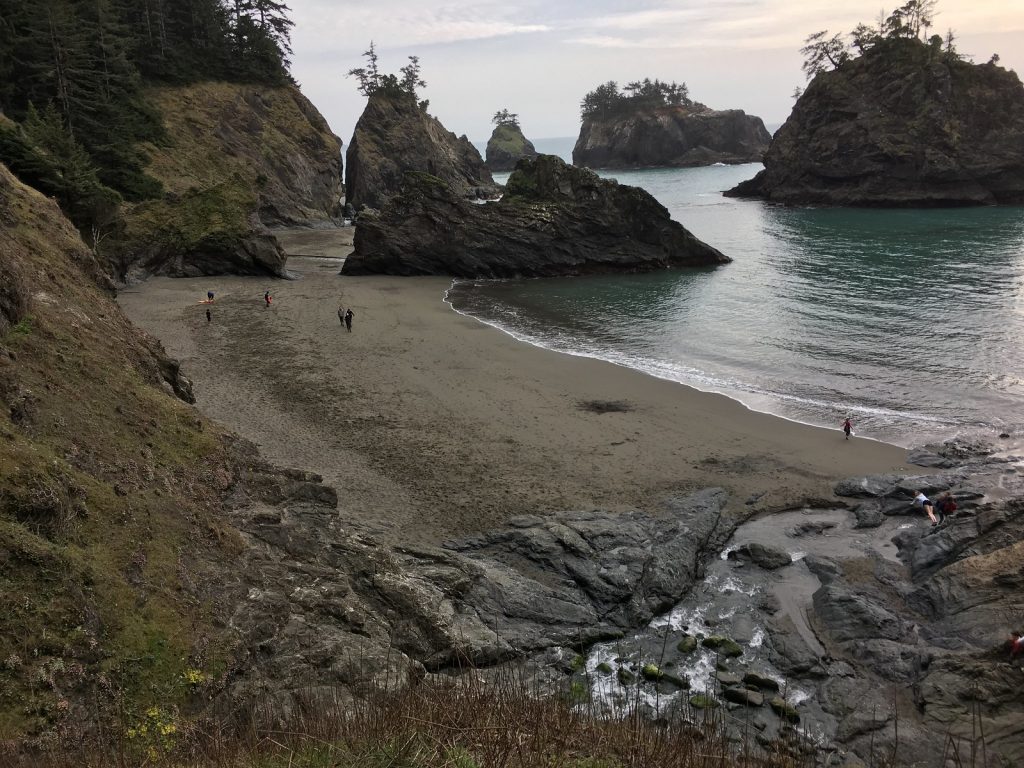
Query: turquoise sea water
(910, 321)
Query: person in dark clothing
(209, 295)
(848, 427)
(209, 316)
(267, 297)
(944, 505)
(348, 319)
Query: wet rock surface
(554, 219)
(885, 637)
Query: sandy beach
(431, 424)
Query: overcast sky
(538, 57)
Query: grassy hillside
(235, 157)
(108, 482)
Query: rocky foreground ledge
(882, 633)
(554, 219)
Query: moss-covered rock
(704, 701)
(625, 676)
(605, 668)
(760, 681)
(687, 645)
(784, 709)
(723, 645)
(651, 672)
(507, 146)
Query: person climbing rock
(922, 501)
(945, 505)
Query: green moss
(605, 668)
(651, 672)
(724, 645)
(687, 645)
(703, 701)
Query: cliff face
(902, 125)
(507, 146)
(671, 137)
(554, 219)
(237, 159)
(394, 136)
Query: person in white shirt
(920, 500)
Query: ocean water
(909, 321)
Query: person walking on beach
(209, 315)
(267, 297)
(945, 506)
(341, 315)
(348, 319)
(848, 427)
(920, 500)
(209, 296)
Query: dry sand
(431, 424)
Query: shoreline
(523, 339)
(431, 425)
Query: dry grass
(461, 723)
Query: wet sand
(433, 425)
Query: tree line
(607, 99)
(71, 77)
(910, 21)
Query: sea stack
(395, 135)
(553, 219)
(907, 123)
(656, 125)
(507, 145)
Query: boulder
(703, 701)
(761, 681)
(507, 146)
(395, 135)
(670, 136)
(553, 220)
(724, 645)
(869, 515)
(768, 558)
(687, 645)
(871, 486)
(784, 710)
(905, 124)
(743, 696)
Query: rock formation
(554, 219)
(670, 136)
(905, 124)
(237, 159)
(395, 135)
(507, 146)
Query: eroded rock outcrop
(237, 159)
(395, 135)
(905, 124)
(507, 146)
(554, 219)
(672, 137)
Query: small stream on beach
(762, 614)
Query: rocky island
(507, 145)
(395, 135)
(904, 122)
(554, 219)
(652, 124)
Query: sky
(538, 58)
